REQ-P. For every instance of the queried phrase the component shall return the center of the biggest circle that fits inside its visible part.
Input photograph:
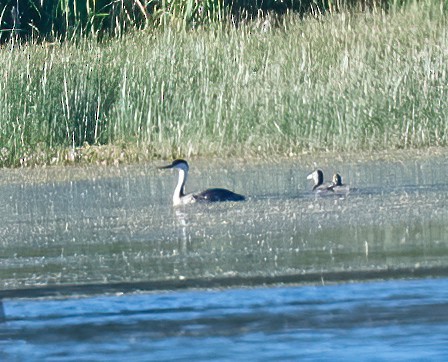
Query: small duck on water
(209, 195)
(335, 187)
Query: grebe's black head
(337, 179)
(180, 164)
(317, 177)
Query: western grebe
(337, 185)
(318, 181)
(209, 195)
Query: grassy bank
(348, 81)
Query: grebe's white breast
(183, 200)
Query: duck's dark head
(180, 164)
(337, 179)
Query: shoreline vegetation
(285, 85)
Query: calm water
(86, 236)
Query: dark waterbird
(334, 187)
(337, 186)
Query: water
(395, 320)
(89, 253)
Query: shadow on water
(2, 312)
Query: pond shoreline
(101, 165)
(329, 277)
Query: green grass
(348, 81)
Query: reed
(70, 19)
(273, 86)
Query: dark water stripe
(254, 321)
(87, 289)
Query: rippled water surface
(75, 234)
(395, 320)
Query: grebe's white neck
(318, 178)
(179, 197)
(179, 191)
